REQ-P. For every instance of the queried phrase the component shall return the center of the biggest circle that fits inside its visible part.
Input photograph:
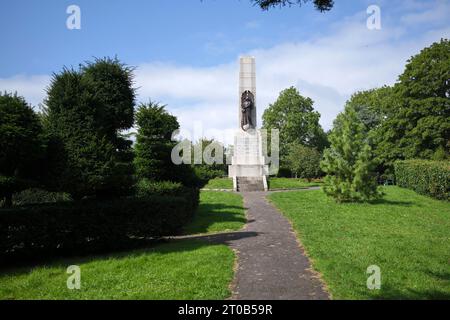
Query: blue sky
(186, 51)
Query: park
(102, 198)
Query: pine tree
(349, 163)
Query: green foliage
(86, 110)
(204, 173)
(90, 225)
(303, 161)
(369, 106)
(297, 121)
(348, 163)
(321, 5)
(21, 145)
(147, 188)
(38, 196)
(154, 143)
(430, 178)
(213, 149)
(113, 83)
(417, 111)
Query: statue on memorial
(247, 104)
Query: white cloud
(30, 87)
(328, 69)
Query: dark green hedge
(426, 177)
(148, 188)
(91, 226)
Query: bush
(90, 226)
(304, 161)
(426, 177)
(38, 196)
(148, 188)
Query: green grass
(185, 269)
(217, 212)
(407, 235)
(220, 183)
(291, 183)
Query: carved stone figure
(247, 105)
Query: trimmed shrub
(426, 177)
(38, 196)
(89, 226)
(148, 188)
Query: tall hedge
(426, 177)
(89, 226)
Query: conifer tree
(349, 163)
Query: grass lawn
(407, 235)
(291, 183)
(185, 269)
(220, 183)
(218, 211)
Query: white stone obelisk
(248, 160)
(247, 81)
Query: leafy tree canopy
(304, 162)
(297, 121)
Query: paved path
(271, 263)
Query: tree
(113, 83)
(416, 114)
(297, 121)
(154, 145)
(321, 5)
(21, 145)
(303, 161)
(372, 108)
(349, 163)
(86, 112)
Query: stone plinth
(248, 159)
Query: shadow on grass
(215, 213)
(391, 293)
(393, 202)
(165, 246)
